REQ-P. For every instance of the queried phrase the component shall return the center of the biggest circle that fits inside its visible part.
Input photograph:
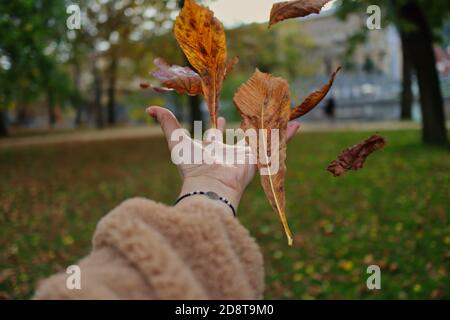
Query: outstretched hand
(229, 181)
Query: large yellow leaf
(202, 38)
(264, 103)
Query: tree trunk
(407, 94)
(3, 124)
(112, 91)
(51, 109)
(22, 115)
(97, 88)
(77, 100)
(419, 43)
(196, 113)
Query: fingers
(292, 130)
(221, 122)
(167, 121)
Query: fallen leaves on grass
(353, 158)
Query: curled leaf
(313, 99)
(353, 158)
(181, 79)
(264, 103)
(202, 38)
(294, 9)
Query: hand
(229, 181)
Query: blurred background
(75, 139)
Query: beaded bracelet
(211, 195)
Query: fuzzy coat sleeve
(147, 250)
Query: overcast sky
(232, 12)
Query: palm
(235, 176)
(230, 174)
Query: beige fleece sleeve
(147, 250)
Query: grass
(393, 213)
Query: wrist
(207, 184)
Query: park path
(155, 131)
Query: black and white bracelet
(211, 195)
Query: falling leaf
(202, 38)
(313, 99)
(144, 85)
(181, 79)
(264, 103)
(353, 158)
(295, 9)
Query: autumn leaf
(144, 85)
(313, 99)
(264, 103)
(181, 79)
(230, 66)
(353, 158)
(295, 9)
(202, 38)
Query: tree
(419, 43)
(278, 50)
(419, 23)
(407, 97)
(117, 30)
(29, 48)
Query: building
(381, 53)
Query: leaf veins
(264, 103)
(201, 36)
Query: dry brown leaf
(202, 38)
(144, 85)
(264, 103)
(313, 99)
(181, 79)
(230, 66)
(295, 9)
(353, 158)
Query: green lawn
(393, 213)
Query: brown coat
(147, 250)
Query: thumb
(167, 121)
